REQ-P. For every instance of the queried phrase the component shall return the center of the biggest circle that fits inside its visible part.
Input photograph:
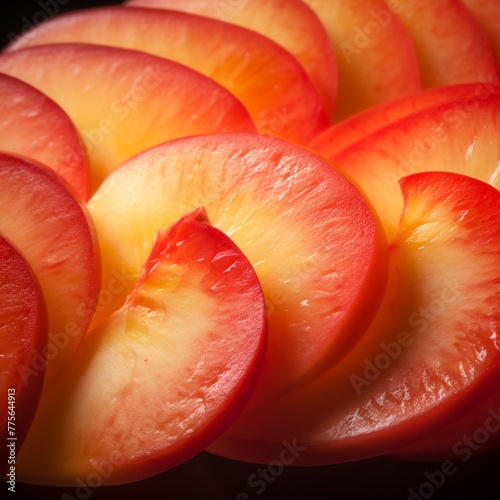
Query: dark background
(19, 15)
(207, 477)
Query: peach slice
(376, 59)
(346, 133)
(124, 101)
(487, 14)
(451, 46)
(33, 125)
(317, 249)
(164, 375)
(52, 229)
(432, 349)
(473, 432)
(267, 80)
(459, 136)
(289, 23)
(23, 331)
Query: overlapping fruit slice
(376, 58)
(458, 136)
(431, 351)
(312, 238)
(487, 14)
(451, 46)
(472, 432)
(269, 82)
(42, 217)
(23, 331)
(353, 129)
(33, 125)
(289, 23)
(164, 375)
(123, 101)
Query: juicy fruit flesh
(23, 330)
(440, 323)
(288, 23)
(487, 15)
(128, 100)
(363, 33)
(451, 46)
(314, 220)
(268, 81)
(457, 136)
(21, 309)
(58, 241)
(417, 236)
(448, 219)
(354, 129)
(199, 368)
(35, 126)
(452, 438)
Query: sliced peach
(289, 23)
(164, 375)
(487, 14)
(23, 332)
(312, 238)
(451, 46)
(351, 130)
(267, 80)
(123, 101)
(33, 125)
(473, 432)
(52, 229)
(432, 349)
(459, 136)
(376, 59)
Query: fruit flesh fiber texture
(289, 23)
(458, 136)
(352, 130)
(123, 101)
(59, 242)
(264, 193)
(451, 46)
(438, 319)
(34, 126)
(363, 33)
(156, 382)
(267, 80)
(23, 330)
